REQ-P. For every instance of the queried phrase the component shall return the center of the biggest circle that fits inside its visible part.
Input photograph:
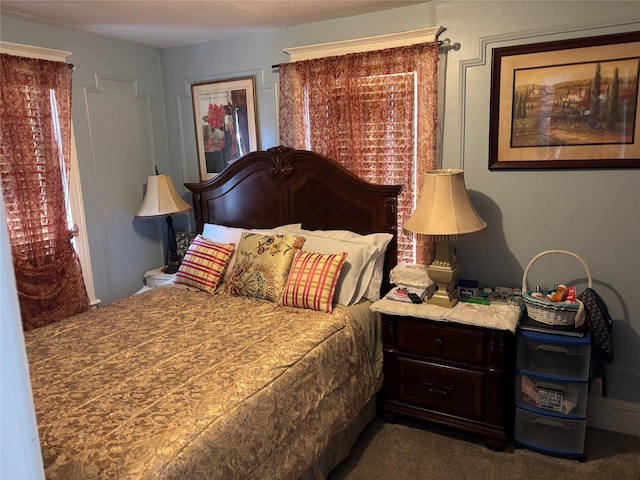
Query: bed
(227, 379)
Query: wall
(124, 126)
(527, 211)
(19, 446)
(593, 213)
(119, 121)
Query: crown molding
(33, 52)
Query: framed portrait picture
(225, 122)
(566, 104)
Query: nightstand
(449, 373)
(156, 277)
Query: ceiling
(170, 23)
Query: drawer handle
(438, 391)
(438, 341)
(548, 422)
(553, 348)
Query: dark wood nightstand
(452, 374)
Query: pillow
(224, 234)
(183, 240)
(359, 264)
(372, 276)
(312, 280)
(204, 264)
(262, 265)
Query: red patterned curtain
(374, 112)
(35, 139)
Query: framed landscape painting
(225, 122)
(566, 104)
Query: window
(74, 191)
(373, 111)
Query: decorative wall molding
(186, 127)
(134, 153)
(486, 45)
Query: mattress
(177, 383)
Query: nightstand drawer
(446, 389)
(445, 343)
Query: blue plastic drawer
(559, 356)
(550, 434)
(548, 395)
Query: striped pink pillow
(204, 264)
(312, 280)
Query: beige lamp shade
(161, 198)
(444, 209)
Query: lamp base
(171, 268)
(173, 261)
(444, 273)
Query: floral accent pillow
(262, 265)
(312, 280)
(204, 264)
(183, 241)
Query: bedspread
(176, 383)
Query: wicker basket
(551, 313)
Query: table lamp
(445, 213)
(162, 200)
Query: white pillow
(372, 277)
(350, 288)
(223, 234)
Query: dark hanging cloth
(600, 327)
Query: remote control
(414, 298)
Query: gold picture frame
(566, 104)
(225, 122)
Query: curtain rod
(444, 46)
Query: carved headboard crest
(279, 169)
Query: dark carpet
(412, 450)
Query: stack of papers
(401, 293)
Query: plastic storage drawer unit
(550, 434)
(543, 394)
(559, 356)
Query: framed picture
(566, 104)
(225, 121)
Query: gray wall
(123, 125)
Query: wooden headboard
(279, 186)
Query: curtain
(376, 114)
(35, 139)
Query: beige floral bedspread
(176, 384)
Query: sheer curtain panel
(376, 113)
(35, 139)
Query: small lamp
(162, 200)
(445, 213)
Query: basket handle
(547, 252)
